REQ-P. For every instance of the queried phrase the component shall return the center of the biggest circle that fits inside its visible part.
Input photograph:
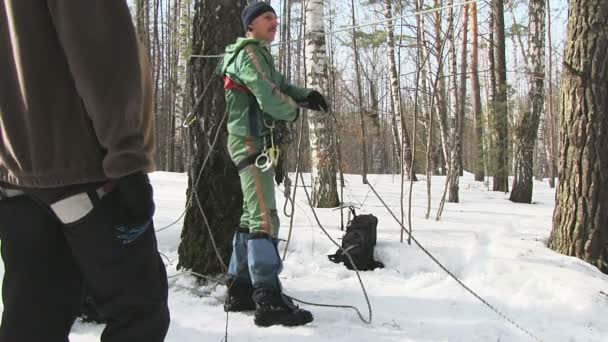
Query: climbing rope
(452, 275)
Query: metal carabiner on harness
(263, 161)
(270, 155)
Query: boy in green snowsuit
(257, 96)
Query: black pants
(46, 264)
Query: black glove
(134, 201)
(315, 101)
(279, 171)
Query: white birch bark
(323, 170)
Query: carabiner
(271, 126)
(273, 153)
(189, 120)
(264, 161)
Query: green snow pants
(259, 202)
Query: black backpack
(359, 241)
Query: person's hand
(315, 101)
(135, 206)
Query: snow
(496, 247)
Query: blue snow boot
(240, 289)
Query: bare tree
(441, 107)
(527, 128)
(550, 148)
(405, 147)
(142, 9)
(456, 168)
(475, 88)
(397, 114)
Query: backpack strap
(254, 109)
(230, 84)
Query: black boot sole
(282, 318)
(239, 308)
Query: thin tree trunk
(477, 112)
(359, 95)
(516, 33)
(456, 168)
(500, 107)
(166, 86)
(527, 129)
(174, 88)
(442, 108)
(550, 146)
(491, 117)
(397, 113)
(287, 71)
(157, 77)
(141, 8)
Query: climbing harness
(269, 157)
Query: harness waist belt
(245, 163)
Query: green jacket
(249, 63)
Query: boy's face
(264, 27)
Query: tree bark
(550, 146)
(156, 71)
(580, 223)
(442, 107)
(501, 125)
(363, 138)
(397, 113)
(404, 148)
(527, 129)
(321, 130)
(456, 168)
(475, 88)
(143, 31)
(218, 191)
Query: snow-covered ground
(496, 247)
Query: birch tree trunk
(405, 146)
(456, 168)
(323, 167)
(527, 129)
(580, 223)
(394, 78)
(441, 107)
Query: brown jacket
(75, 93)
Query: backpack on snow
(359, 242)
